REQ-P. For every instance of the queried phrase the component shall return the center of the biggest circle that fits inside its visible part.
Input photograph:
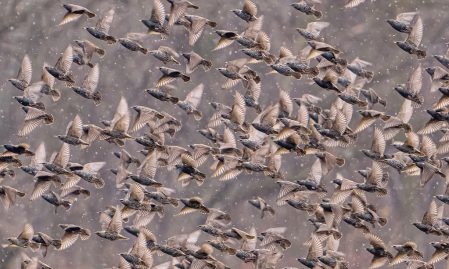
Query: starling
(226, 38)
(72, 193)
(43, 182)
(403, 21)
(162, 93)
(358, 224)
(133, 41)
(357, 67)
(221, 246)
(54, 199)
(318, 48)
(196, 26)
(156, 22)
(165, 54)
(75, 130)
(117, 131)
(328, 82)
(381, 255)
(252, 95)
(263, 206)
(5, 160)
(236, 121)
(248, 12)
(377, 150)
(352, 100)
(193, 204)
(413, 41)
(78, 57)
(58, 164)
(162, 197)
(101, 29)
(410, 146)
(411, 90)
(145, 116)
(441, 252)
(406, 252)
(188, 171)
(439, 78)
(193, 99)
(169, 125)
(48, 83)
(313, 181)
(20, 149)
(89, 172)
(286, 71)
(328, 161)
(74, 12)
(369, 117)
(307, 7)
(178, 10)
(235, 71)
(427, 172)
(272, 239)
(266, 122)
(112, 232)
(211, 134)
(147, 172)
(88, 89)
(8, 196)
(89, 49)
(315, 251)
(370, 215)
(312, 31)
(428, 225)
(46, 241)
(34, 263)
(24, 77)
(62, 67)
(24, 239)
(400, 121)
(31, 95)
(194, 61)
(71, 233)
(336, 135)
(170, 75)
(135, 201)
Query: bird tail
(21, 194)
(340, 162)
(369, 75)
(176, 62)
(85, 235)
(99, 184)
(271, 210)
(66, 204)
(300, 152)
(174, 100)
(297, 75)
(157, 185)
(144, 51)
(382, 221)
(212, 24)
(90, 65)
(48, 119)
(258, 108)
(204, 210)
(194, 7)
(70, 81)
(207, 65)
(418, 100)
(165, 32)
(342, 62)
(39, 106)
(197, 114)
(100, 52)
(269, 59)
(313, 72)
(111, 40)
(381, 192)
(257, 79)
(55, 95)
(421, 54)
(57, 243)
(90, 14)
(11, 173)
(18, 164)
(231, 251)
(34, 246)
(385, 117)
(362, 104)
(97, 98)
(337, 234)
(318, 15)
(174, 202)
(185, 78)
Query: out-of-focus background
(31, 27)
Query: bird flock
(275, 132)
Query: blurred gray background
(32, 27)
